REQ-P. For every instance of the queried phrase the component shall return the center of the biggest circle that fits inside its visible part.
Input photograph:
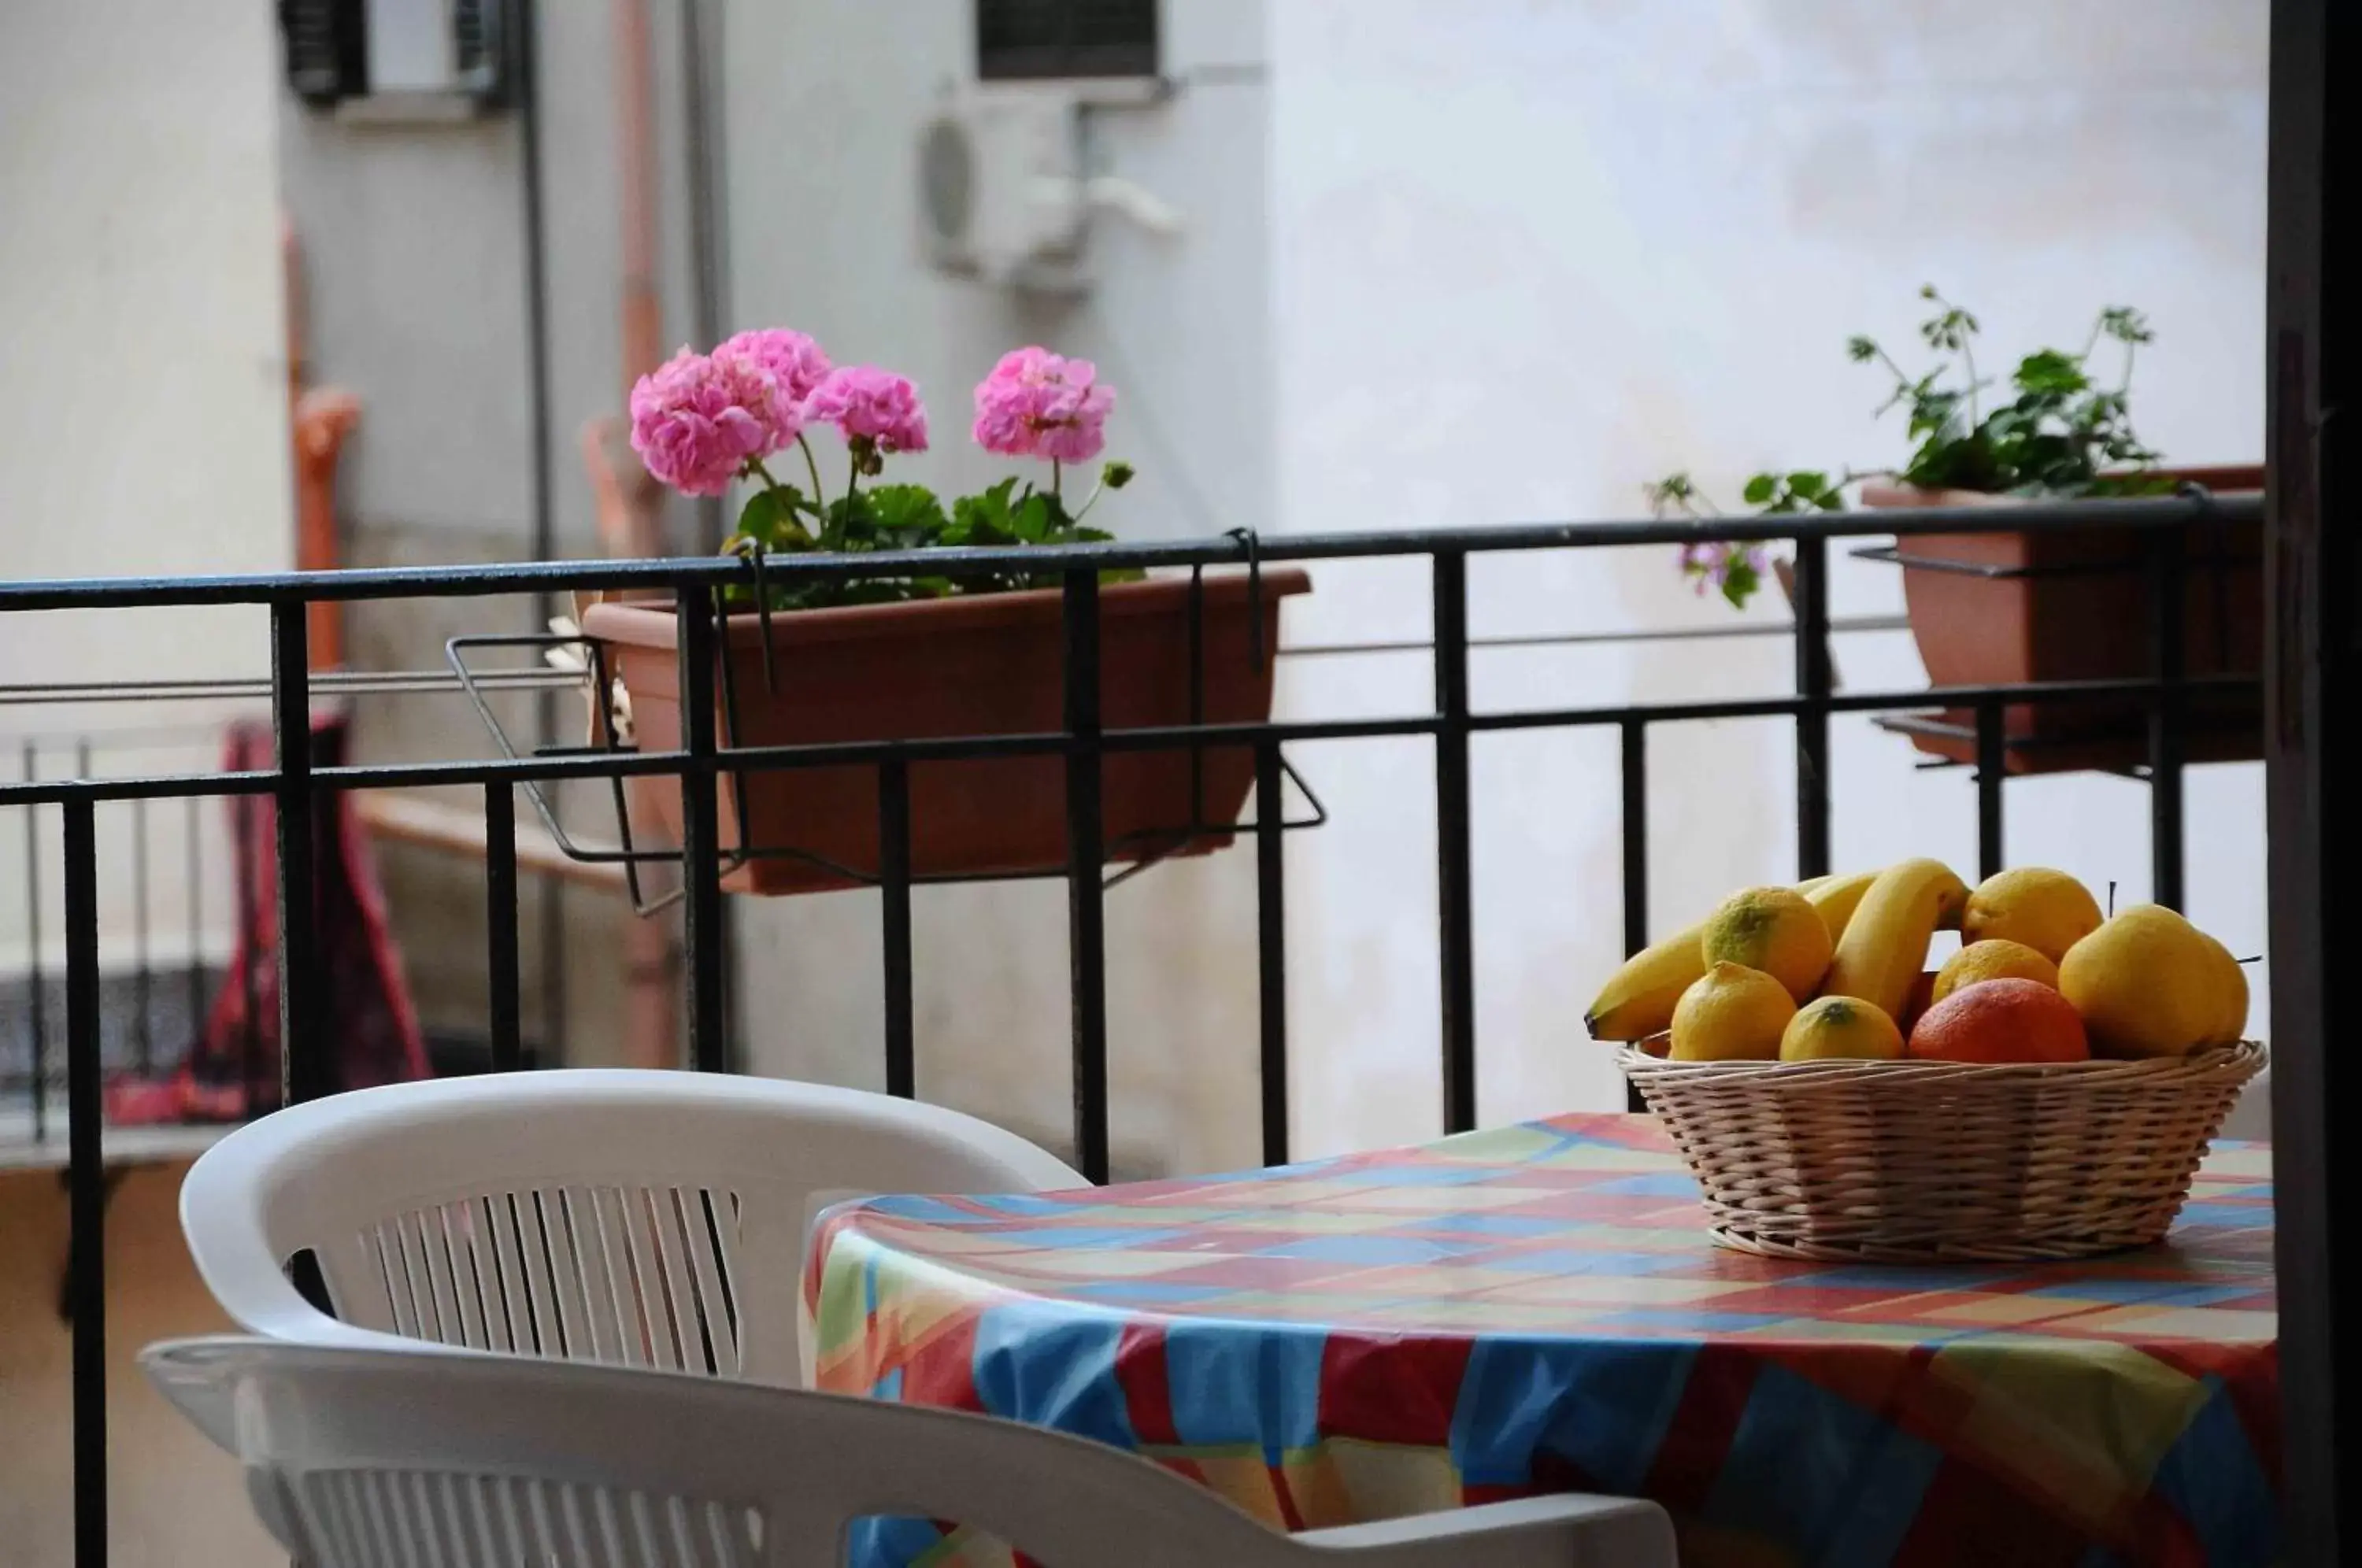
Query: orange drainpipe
(319, 419)
(635, 117)
(629, 501)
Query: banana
(1836, 898)
(1638, 1000)
(1885, 947)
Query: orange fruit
(2009, 1020)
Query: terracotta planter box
(2076, 605)
(990, 664)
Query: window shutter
(327, 49)
(1046, 40)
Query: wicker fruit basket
(1942, 1161)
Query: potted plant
(2010, 606)
(927, 656)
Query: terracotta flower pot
(2075, 604)
(987, 665)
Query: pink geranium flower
(697, 420)
(872, 407)
(799, 363)
(1040, 404)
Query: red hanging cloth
(368, 1025)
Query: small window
(478, 48)
(1017, 40)
(327, 48)
(341, 50)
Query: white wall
(143, 414)
(1530, 254)
(142, 429)
(1503, 260)
(824, 107)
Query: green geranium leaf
(2049, 372)
(1759, 491)
(849, 523)
(1740, 582)
(908, 516)
(983, 518)
(769, 519)
(1031, 521)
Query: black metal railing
(296, 786)
(157, 986)
(183, 886)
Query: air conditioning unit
(1000, 190)
(398, 59)
(1003, 194)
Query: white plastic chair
(435, 1459)
(650, 1219)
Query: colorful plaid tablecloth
(1538, 1307)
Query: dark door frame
(2312, 676)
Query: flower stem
(1057, 475)
(812, 466)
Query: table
(1538, 1307)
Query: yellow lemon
(2048, 910)
(1731, 1014)
(2150, 984)
(2231, 1024)
(1841, 1027)
(1995, 958)
(1775, 929)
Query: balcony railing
(296, 785)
